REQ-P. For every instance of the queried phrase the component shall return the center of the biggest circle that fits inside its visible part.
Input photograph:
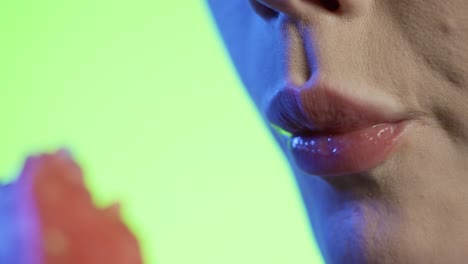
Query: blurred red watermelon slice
(71, 229)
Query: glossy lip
(348, 153)
(333, 134)
(309, 111)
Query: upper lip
(323, 110)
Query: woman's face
(369, 101)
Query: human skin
(410, 55)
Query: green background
(143, 94)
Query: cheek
(437, 33)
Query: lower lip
(346, 153)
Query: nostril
(263, 10)
(330, 5)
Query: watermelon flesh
(64, 226)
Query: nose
(301, 8)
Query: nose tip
(272, 8)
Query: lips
(332, 134)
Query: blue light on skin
(10, 239)
(20, 234)
(256, 50)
